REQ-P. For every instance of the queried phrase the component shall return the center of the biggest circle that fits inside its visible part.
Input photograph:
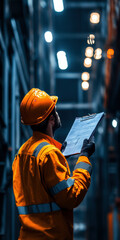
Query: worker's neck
(49, 132)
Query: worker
(45, 194)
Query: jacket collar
(42, 136)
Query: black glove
(63, 146)
(88, 148)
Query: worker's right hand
(88, 148)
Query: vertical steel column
(13, 123)
(5, 130)
(31, 45)
(104, 22)
(118, 158)
(5, 95)
(51, 55)
(5, 107)
(20, 69)
(115, 224)
(118, 175)
(17, 127)
(41, 58)
(38, 46)
(105, 181)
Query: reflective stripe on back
(83, 165)
(61, 186)
(39, 147)
(38, 208)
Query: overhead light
(94, 17)
(62, 60)
(85, 85)
(114, 123)
(87, 62)
(98, 53)
(58, 5)
(91, 39)
(48, 36)
(110, 53)
(89, 52)
(97, 57)
(30, 3)
(85, 76)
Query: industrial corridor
(68, 53)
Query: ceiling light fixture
(62, 60)
(48, 36)
(85, 76)
(89, 52)
(87, 62)
(58, 5)
(91, 39)
(97, 57)
(94, 17)
(114, 123)
(85, 85)
(98, 53)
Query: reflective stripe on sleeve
(83, 165)
(39, 147)
(38, 208)
(61, 186)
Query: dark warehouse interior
(29, 60)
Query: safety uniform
(45, 194)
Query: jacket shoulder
(46, 149)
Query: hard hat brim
(54, 99)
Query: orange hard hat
(36, 106)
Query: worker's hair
(41, 127)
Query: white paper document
(82, 128)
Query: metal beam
(38, 45)
(20, 69)
(68, 75)
(20, 49)
(68, 106)
(2, 41)
(104, 23)
(17, 125)
(5, 93)
(85, 4)
(52, 60)
(13, 120)
(31, 42)
(5, 111)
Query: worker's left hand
(88, 148)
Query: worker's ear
(52, 120)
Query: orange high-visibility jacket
(45, 194)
